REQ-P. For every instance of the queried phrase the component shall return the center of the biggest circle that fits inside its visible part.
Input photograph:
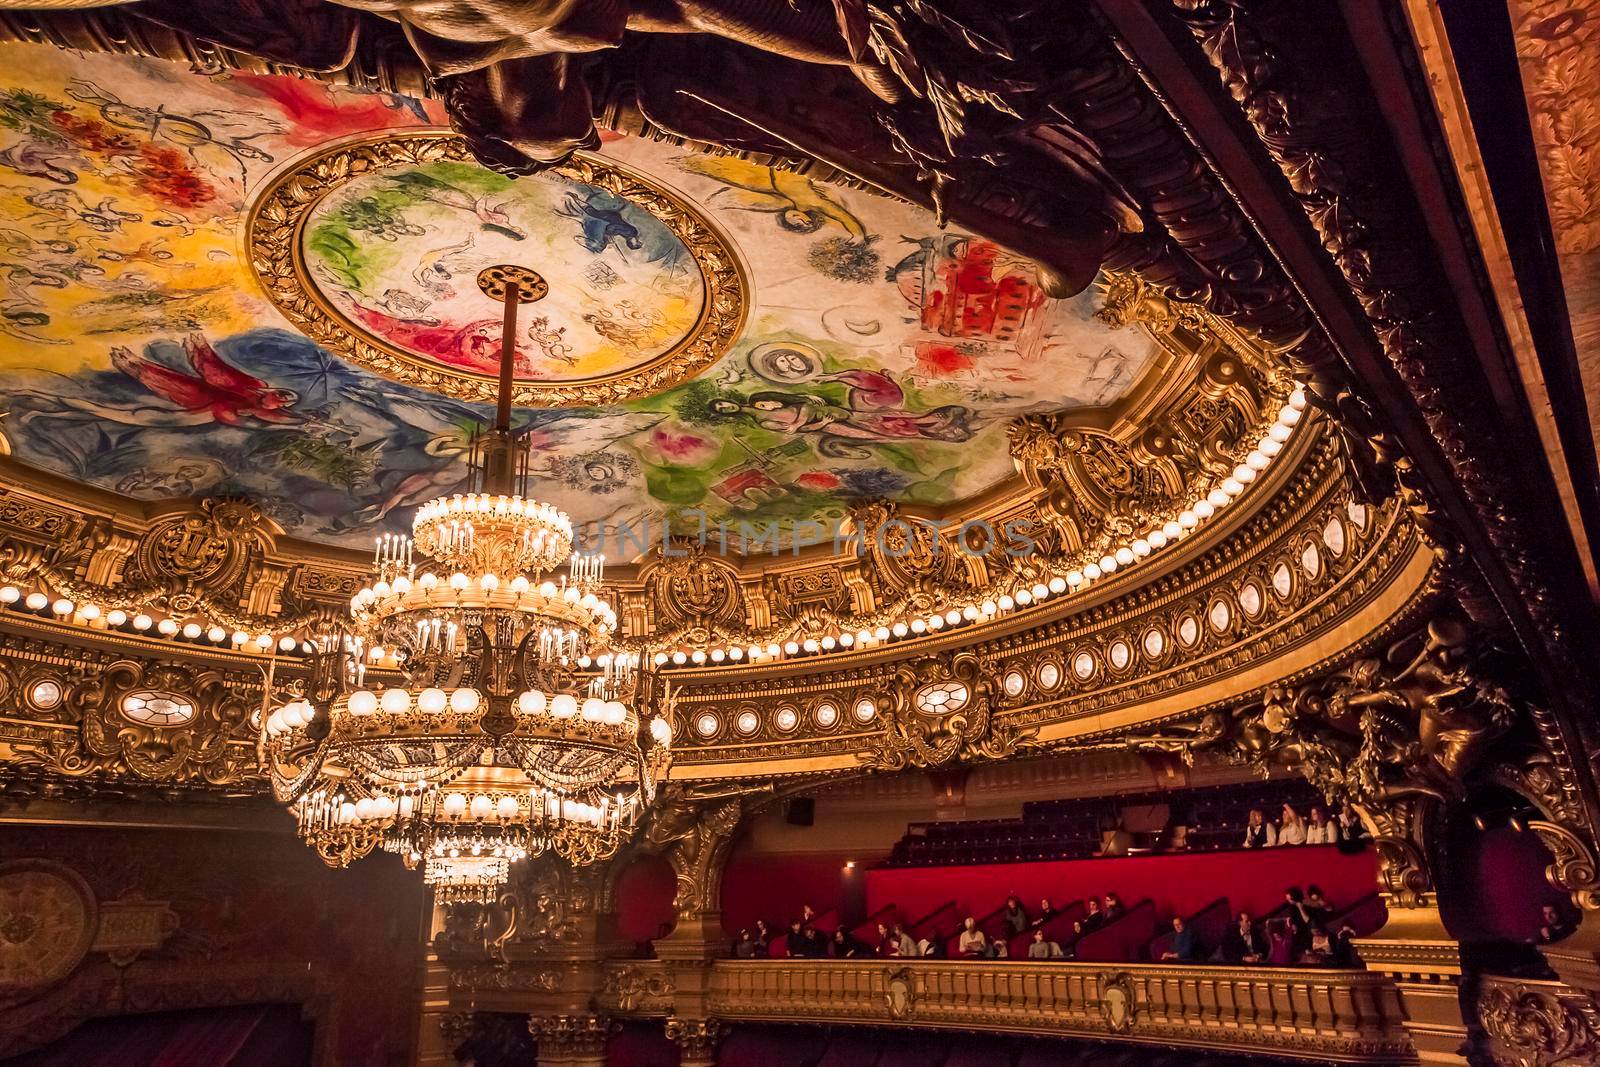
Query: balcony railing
(1332, 1015)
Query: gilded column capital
(696, 1039)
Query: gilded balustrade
(1333, 1015)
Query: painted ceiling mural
(880, 356)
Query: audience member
(1320, 952)
(1280, 938)
(813, 946)
(1092, 918)
(1242, 943)
(1291, 828)
(1351, 828)
(1299, 918)
(998, 949)
(1014, 918)
(1318, 905)
(807, 914)
(1320, 830)
(846, 946)
(972, 942)
(933, 946)
(1043, 949)
(745, 947)
(791, 943)
(886, 944)
(1185, 944)
(1113, 906)
(763, 937)
(1046, 913)
(1258, 832)
(903, 943)
(1553, 925)
(1343, 953)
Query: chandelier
(517, 726)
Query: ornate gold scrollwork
(202, 741)
(938, 711)
(696, 1038)
(562, 1036)
(693, 594)
(1539, 1024)
(694, 833)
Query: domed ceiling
(265, 286)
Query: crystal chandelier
(517, 728)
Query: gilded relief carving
(1539, 1024)
(938, 710)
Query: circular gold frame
(274, 238)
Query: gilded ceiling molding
(1317, 132)
(937, 711)
(275, 236)
(215, 556)
(1281, 581)
(104, 718)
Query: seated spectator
(1014, 918)
(1291, 828)
(1185, 944)
(1320, 830)
(1242, 944)
(813, 946)
(1258, 832)
(972, 943)
(1280, 938)
(1046, 913)
(1320, 952)
(846, 946)
(1092, 919)
(807, 914)
(1043, 949)
(763, 937)
(745, 947)
(997, 949)
(1351, 828)
(1113, 906)
(1343, 951)
(885, 943)
(791, 944)
(1553, 925)
(933, 946)
(903, 944)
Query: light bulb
(594, 709)
(396, 701)
(455, 805)
(216, 634)
(116, 617)
(465, 701)
(284, 643)
(362, 702)
(142, 622)
(36, 601)
(506, 808)
(167, 626)
(531, 702)
(563, 705)
(90, 611)
(191, 630)
(10, 594)
(62, 607)
(432, 701)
